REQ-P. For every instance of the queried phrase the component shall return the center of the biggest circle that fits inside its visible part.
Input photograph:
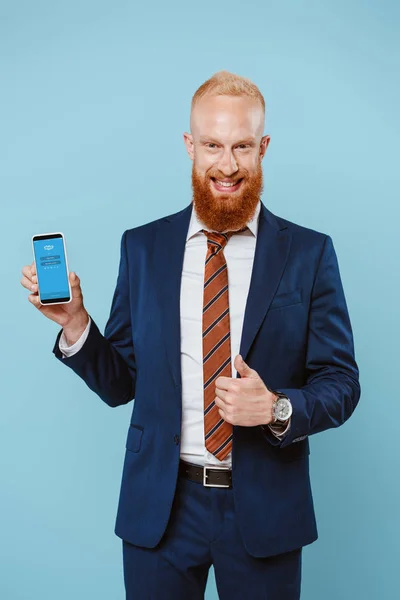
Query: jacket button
(176, 439)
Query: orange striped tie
(216, 341)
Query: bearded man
(229, 328)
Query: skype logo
(48, 247)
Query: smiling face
(227, 147)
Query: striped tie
(216, 341)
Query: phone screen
(51, 268)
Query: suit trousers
(202, 531)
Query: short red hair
(225, 83)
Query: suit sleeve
(107, 362)
(74, 348)
(332, 388)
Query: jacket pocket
(286, 299)
(134, 438)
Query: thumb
(75, 285)
(243, 369)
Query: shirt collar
(196, 225)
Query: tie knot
(219, 240)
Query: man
(230, 375)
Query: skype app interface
(51, 268)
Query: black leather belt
(208, 476)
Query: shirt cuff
(74, 348)
(281, 429)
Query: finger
(223, 383)
(219, 402)
(222, 414)
(26, 271)
(235, 384)
(34, 299)
(248, 383)
(33, 268)
(243, 368)
(75, 285)
(27, 283)
(221, 396)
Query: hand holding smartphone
(54, 291)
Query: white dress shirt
(239, 256)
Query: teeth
(224, 183)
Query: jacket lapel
(169, 253)
(271, 254)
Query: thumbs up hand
(245, 401)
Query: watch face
(283, 409)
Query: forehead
(227, 117)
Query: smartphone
(50, 256)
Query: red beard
(230, 211)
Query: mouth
(227, 187)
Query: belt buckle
(218, 485)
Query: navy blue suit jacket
(296, 334)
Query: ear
(188, 139)
(265, 140)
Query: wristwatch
(282, 407)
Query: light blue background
(94, 99)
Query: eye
(243, 146)
(211, 145)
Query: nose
(228, 165)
